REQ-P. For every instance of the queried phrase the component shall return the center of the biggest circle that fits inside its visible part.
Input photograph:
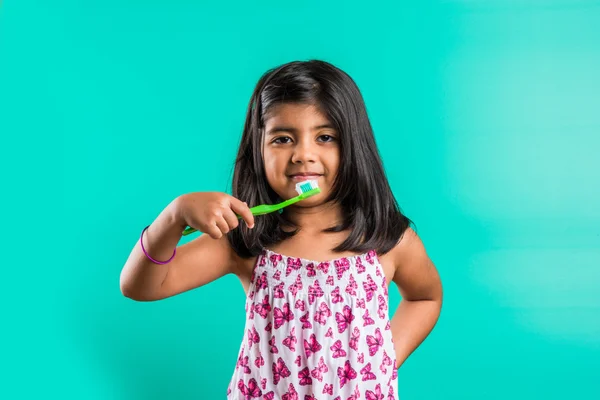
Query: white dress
(316, 330)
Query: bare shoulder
(414, 272)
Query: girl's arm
(196, 263)
(421, 290)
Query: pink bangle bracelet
(148, 255)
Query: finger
(243, 210)
(222, 225)
(231, 218)
(213, 230)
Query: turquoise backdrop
(487, 115)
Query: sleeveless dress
(316, 330)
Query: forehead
(299, 116)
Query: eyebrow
(280, 129)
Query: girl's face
(299, 139)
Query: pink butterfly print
(342, 265)
(344, 319)
(337, 349)
(378, 272)
(275, 258)
(263, 308)
(387, 361)
(361, 358)
(280, 370)
(346, 374)
(313, 346)
(251, 295)
(310, 270)
(395, 372)
(328, 389)
(242, 387)
(367, 318)
(374, 342)
(324, 266)
(291, 394)
(354, 338)
(388, 326)
(269, 396)
(309, 397)
(314, 292)
(391, 393)
(259, 362)
(329, 333)
(360, 266)
(294, 287)
(251, 313)
(329, 280)
(370, 287)
(336, 298)
(279, 293)
(360, 303)
(382, 307)
(291, 340)
(269, 327)
(263, 383)
(367, 374)
(250, 391)
(371, 257)
(277, 275)
(262, 282)
(322, 314)
(304, 376)
(356, 394)
(292, 264)
(228, 391)
(263, 261)
(297, 362)
(253, 337)
(243, 362)
(376, 395)
(337, 398)
(300, 305)
(352, 286)
(282, 315)
(319, 370)
(305, 322)
(274, 348)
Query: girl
(316, 274)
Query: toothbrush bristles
(305, 186)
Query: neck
(315, 218)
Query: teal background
(486, 115)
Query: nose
(304, 152)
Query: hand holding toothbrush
(213, 212)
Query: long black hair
(361, 187)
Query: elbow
(135, 294)
(128, 290)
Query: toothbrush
(305, 189)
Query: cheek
(333, 165)
(272, 169)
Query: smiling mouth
(304, 177)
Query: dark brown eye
(330, 138)
(277, 140)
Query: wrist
(174, 217)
